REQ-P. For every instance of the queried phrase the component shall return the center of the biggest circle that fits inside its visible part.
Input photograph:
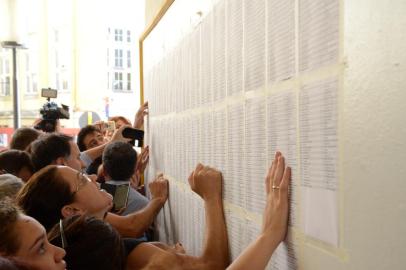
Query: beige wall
(372, 141)
(152, 8)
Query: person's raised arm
(139, 116)
(97, 151)
(275, 219)
(135, 224)
(207, 183)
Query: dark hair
(44, 196)
(94, 166)
(12, 161)
(90, 243)
(9, 213)
(49, 148)
(119, 160)
(23, 137)
(89, 129)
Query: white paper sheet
(254, 44)
(219, 53)
(234, 47)
(206, 60)
(255, 150)
(219, 140)
(206, 139)
(195, 68)
(281, 39)
(318, 33)
(236, 234)
(282, 136)
(319, 153)
(252, 231)
(233, 177)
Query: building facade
(87, 50)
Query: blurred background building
(87, 50)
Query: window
(118, 55)
(32, 65)
(4, 74)
(7, 66)
(128, 59)
(128, 36)
(56, 59)
(128, 81)
(118, 34)
(57, 81)
(65, 85)
(118, 81)
(5, 86)
(34, 81)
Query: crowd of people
(55, 214)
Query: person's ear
(60, 161)
(70, 210)
(103, 172)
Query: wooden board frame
(165, 6)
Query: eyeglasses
(82, 180)
(62, 232)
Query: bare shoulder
(150, 257)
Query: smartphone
(135, 135)
(119, 192)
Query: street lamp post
(16, 108)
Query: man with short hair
(119, 162)
(56, 149)
(90, 137)
(60, 149)
(17, 162)
(23, 137)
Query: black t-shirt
(130, 244)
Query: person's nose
(59, 254)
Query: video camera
(50, 111)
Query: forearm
(96, 152)
(216, 240)
(134, 225)
(261, 249)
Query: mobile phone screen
(121, 196)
